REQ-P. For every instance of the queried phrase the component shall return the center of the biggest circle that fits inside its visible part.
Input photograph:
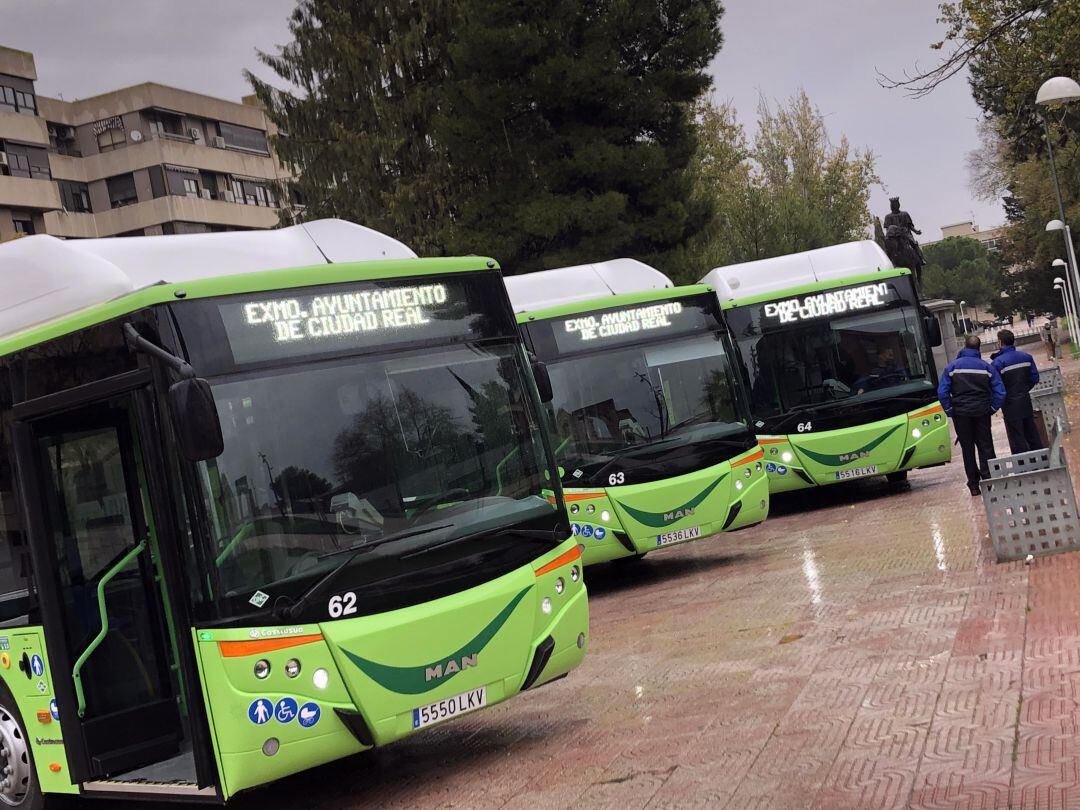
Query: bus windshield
(436, 445)
(646, 410)
(819, 362)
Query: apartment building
(143, 160)
(989, 237)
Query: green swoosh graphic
(656, 519)
(413, 680)
(830, 460)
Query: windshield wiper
(528, 534)
(290, 612)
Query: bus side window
(15, 566)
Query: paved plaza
(860, 649)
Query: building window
(246, 138)
(12, 100)
(191, 187)
(75, 196)
(122, 190)
(252, 192)
(27, 161)
(166, 125)
(111, 139)
(23, 222)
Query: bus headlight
(747, 472)
(320, 678)
(786, 457)
(262, 668)
(560, 586)
(926, 423)
(738, 485)
(574, 509)
(292, 667)
(574, 573)
(605, 516)
(545, 605)
(590, 508)
(916, 433)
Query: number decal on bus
(805, 427)
(342, 605)
(616, 478)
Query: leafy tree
(367, 79)
(568, 125)
(793, 189)
(962, 269)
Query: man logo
(678, 514)
(450, 667)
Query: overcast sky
(771, 48)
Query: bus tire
(896, 477)
(20, 788)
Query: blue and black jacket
(970, 386)
(1019, 374)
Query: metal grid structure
(1030, 504)
(1050, 379)
(1052, 406)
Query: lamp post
(1060, 266)
(1053, 92)
(963, 317)
(1059, 284)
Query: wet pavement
(860, 649)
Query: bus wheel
(896, 477)
(19, 787)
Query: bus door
(101, 604)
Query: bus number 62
(342, 605)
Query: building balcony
(157, 151)
(30, 195)
(23, 128)
(182, 209)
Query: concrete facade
(989, 237)
(143, 160)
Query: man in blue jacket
(1019, 374)
(971, 391)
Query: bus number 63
(342, 605)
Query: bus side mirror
(543, 381)
(195, 417)
(933, 328)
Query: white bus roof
(783, 272)
(582, 282)
(43, 278)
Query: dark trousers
(1023, 435)
(974, 432)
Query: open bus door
(101, 603)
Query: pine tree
(366, 78)
(568, 125)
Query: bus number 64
(805, 427)
(342, 605)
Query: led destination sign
(591, 330)
(362, 315)
(342, 314)
(831, 302)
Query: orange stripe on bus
(238, 649)
(582, 496)
(927, 412)
(560, 561)
(759, 453)
(771, 441)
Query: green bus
(838, 355)
(651, 424)
(256, 512)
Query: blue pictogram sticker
(770, 467)
(781, 470)
(575, 529)
(586, 531)
(260, 711)
(285, 710)
(600, 532)
(54, 710)
(37, 665)
(309, 715)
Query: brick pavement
(860, 649)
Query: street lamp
(1053, 92)
(963, 317)
(1070, 301)
(1059, 285)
